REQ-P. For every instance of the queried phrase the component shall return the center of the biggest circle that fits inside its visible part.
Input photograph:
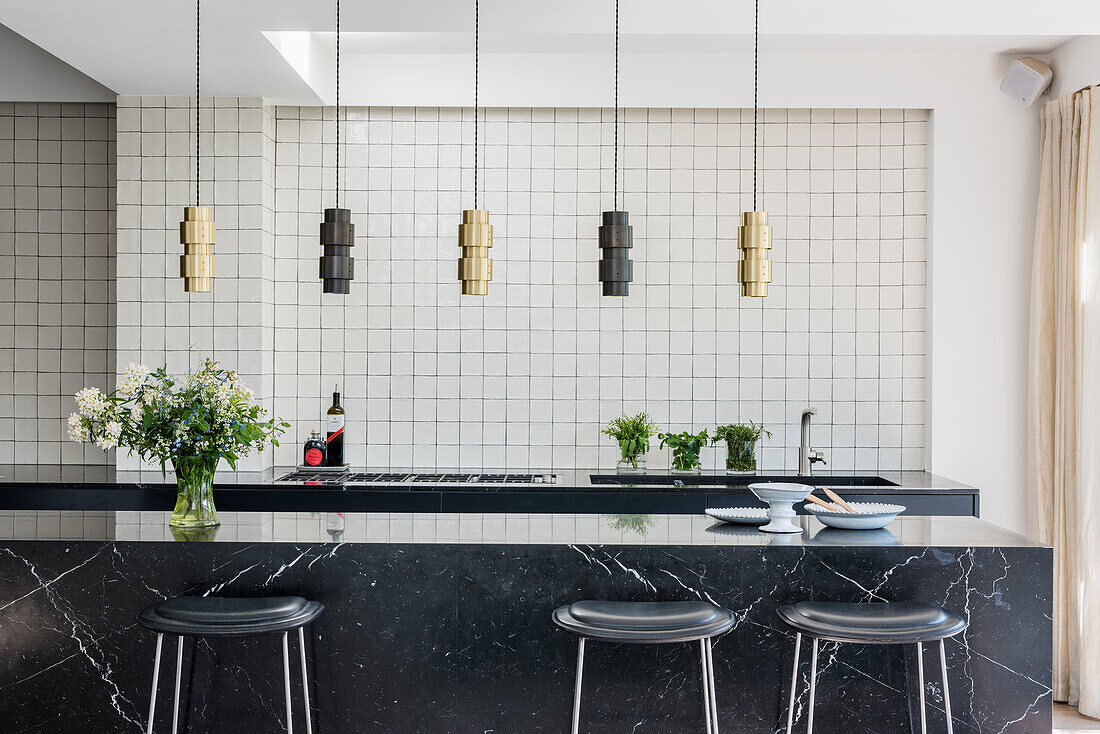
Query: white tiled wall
(57, 249)
(526, 376)
(159, 323)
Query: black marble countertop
(89, 487)
(493, 528)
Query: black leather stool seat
(218, 616)
(889, 623)
(643, 621)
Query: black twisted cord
(477, 54)
(616, 164)
(337, 104)
(755, 97)
(198, 137)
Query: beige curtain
(1064, 389)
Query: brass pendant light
(337, 266)
(754, 236)
(475, 234)
(616, 234)
(197, 227)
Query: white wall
(982, 190)
(1076, 65)
(29, 74)
(57, 245)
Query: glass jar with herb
(742, 442)
(633, 433)
(686, 448)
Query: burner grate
(307, 477)
(377, 477)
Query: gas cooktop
(308, 477)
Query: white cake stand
(781, 497)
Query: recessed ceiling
(147, 46)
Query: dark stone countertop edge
(91, 477)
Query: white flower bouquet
(194, 422)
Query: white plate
(740, 515)
(867, 516)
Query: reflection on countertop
(492, 528)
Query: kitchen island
(440, 622)
(75, 487)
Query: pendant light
(197, 227)
(616, 234)
(337, 232)
(754, 236)
(475, 234)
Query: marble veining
(453, 637)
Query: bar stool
(893, 623)
(647, 623)
(213, 616)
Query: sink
(744, 480)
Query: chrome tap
(807, 457)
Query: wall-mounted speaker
(1026, 79)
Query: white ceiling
(147, 46)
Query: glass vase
(195, 492)
(686, 464)
(741, 457)
(631, 461)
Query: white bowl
(781, 497)
(781, 491)
(740, 515)
(867, 515)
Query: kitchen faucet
(807, 457)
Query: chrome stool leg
(946, 692)
(706, 682)
(713, 695)
(286, 684)
(794, 680)
(577, 686)
(179, 674)
(813, 689)
(920, 681)
(156, 674)
(305, 679)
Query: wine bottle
(335, 437)
(315, 450)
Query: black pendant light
(197, 227)
(337, 231)
(616, 234)
(475, 234)
(754, 236)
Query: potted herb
(194, 422)
(685, 450)
(741, 440)
(633, 433)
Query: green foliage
(740, 441)
(633, 433)
(639, 524)
(747, 432)
(193, 422)
(685, 447)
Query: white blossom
(90, 402)
(111, 433)
(78, 428)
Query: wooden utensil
(823, 503)
(838, 499)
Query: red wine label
(313, 457)
(335, 425)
